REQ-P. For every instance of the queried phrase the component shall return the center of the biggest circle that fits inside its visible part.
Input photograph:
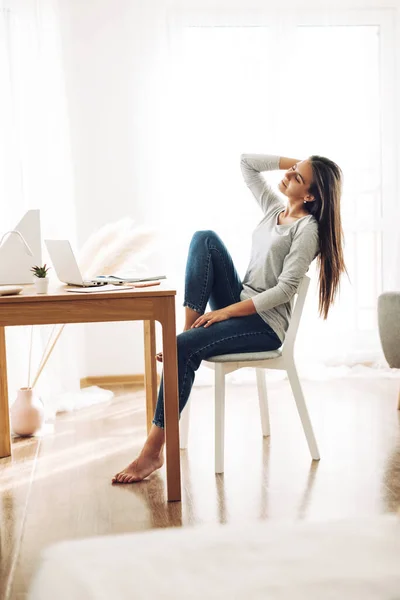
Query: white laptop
(66, 266)
(67, 269)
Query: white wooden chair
(281, 359)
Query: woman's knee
(189, 349)
(183, 342)
(188, 343)
(204, 235)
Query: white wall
(110, 49)
(106, 48)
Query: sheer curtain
(35, 169)
(293, 83)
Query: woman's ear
(309, 198)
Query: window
(296, 89)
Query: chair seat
(245, 356)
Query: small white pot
(41, 285)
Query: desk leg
(150, 370)
(5, 439)
(171, 407)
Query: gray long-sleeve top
(280, 254)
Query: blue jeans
(211, 277)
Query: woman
(253, 315)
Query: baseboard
(113, 380)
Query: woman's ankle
(155, 442)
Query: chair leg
(184, 426)
(302, 409)
(219, 417)
(398, 405)
(263, 401)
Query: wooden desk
(145, 304)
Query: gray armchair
(389, 328)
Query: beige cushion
(245, 356)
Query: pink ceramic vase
(27, 413)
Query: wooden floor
(58, 487)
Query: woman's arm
(252, 165)
(240, 309)
(302, 252)
(304, 248)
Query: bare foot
(139, 469)
(159, 357)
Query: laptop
(67, 269)
(66, 266)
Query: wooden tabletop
(60, 293)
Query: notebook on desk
(67, 268)
(122, 279)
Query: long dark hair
(326, 188)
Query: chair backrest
(291, 333)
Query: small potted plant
(40, 279)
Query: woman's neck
(295, 209)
